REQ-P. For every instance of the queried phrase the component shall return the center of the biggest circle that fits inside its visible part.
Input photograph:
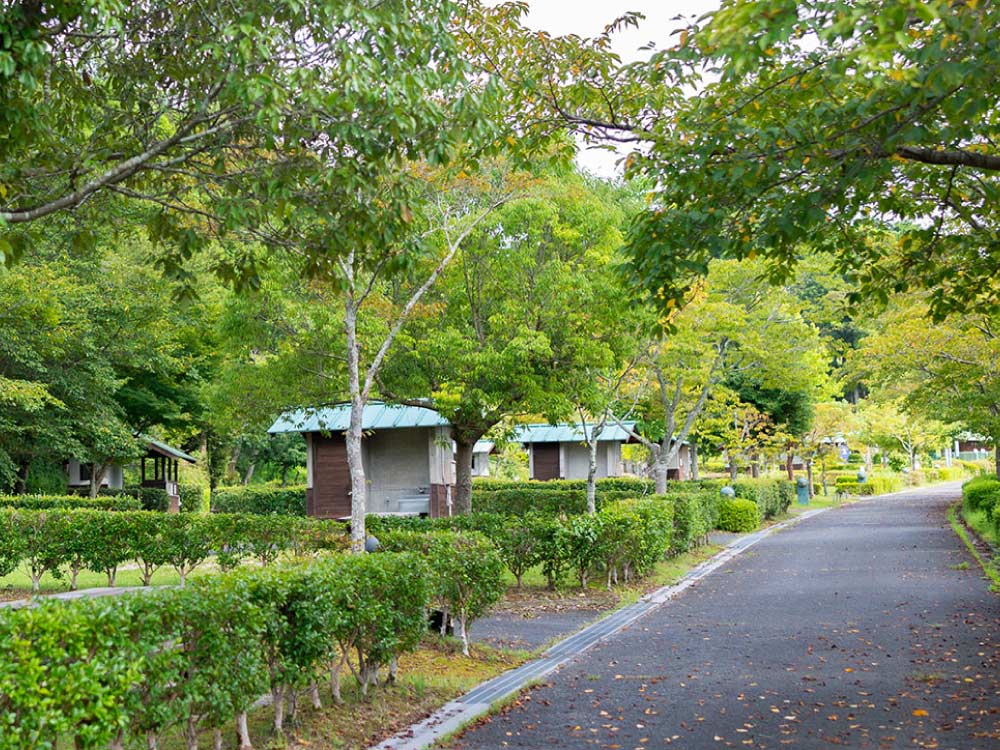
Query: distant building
(970, 446)
(481, 458)
(561, 452)
(407, 453)
(159, 468)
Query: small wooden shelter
(407, 453)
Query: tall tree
(522, 313)
(861, 128)
(734, 323)
(950, 370)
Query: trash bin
(802, 490)
(862, 477)
(372, 544)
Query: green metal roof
(167, 450)
(569, 433)
(376, 416)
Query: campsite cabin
(560, 451)
(406, 450)
(481, 458)
(159, 467)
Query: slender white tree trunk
(355, 462)
(243, 731)
(592, 477)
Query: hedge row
(772, 496)
(875, 485)
(634, 485)
(553, 501)
(982, 494)
(193, 498)
(467, 573)
(65, 502)
(738, 515)
(260, 499)
(624, 538)
(122, 671)
(64, 542)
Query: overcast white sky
(589, 17)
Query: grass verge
(989, 566)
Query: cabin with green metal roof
(407, 453)
(560, 451)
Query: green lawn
(17, 585)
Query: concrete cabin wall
(574, 460)
(114, 476)
(400, 465)
(480, 464)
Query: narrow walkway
(868, 626)
(478, 701)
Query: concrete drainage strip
(459, 712)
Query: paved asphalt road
(868, 626)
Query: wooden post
(142, 470)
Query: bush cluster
(982, 494)
(64, 542)
(124, 670)
(260, 499)
(466, 573)
(873, 485)
(772, 496)
(65, 502)
(636, 486)
(738, 514)
(623, 539)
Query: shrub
(981, 494)
(738, 515)
(466, 573)
(66, 502)
(121, 671)
(772, 496)
(260, 499)
(194, 498)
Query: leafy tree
(890, 425)
(734, 323)
(524, 311)
(861, 129)
(950, 370)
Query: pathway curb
(459, 712)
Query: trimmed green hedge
(465, 572)
(633, 485)
(875, 485)
(125, 670)
(260, 499)
(66, 502)
(982, 494)
(64, 542)
(738, 515)
(624, 538)
(772, 496)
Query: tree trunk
(233, 459)
(754, 469)
(278, 704)
(243, 732)
(660, 475)
(996, 457)
(592, 476)
(733, 470)
(809, 476)
(359, 487)
(21, 484)
(790, 464)
(191, 733)
(463, 472)
(693, 452)
(249, 475)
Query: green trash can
(802, 490)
